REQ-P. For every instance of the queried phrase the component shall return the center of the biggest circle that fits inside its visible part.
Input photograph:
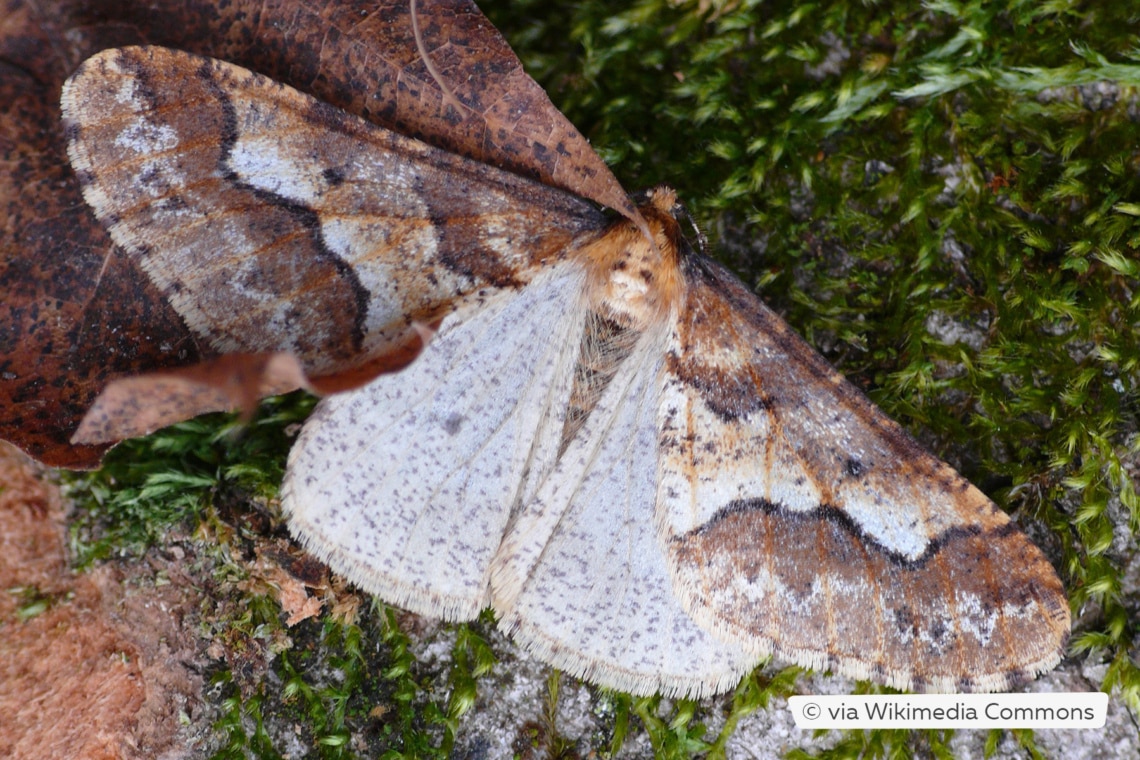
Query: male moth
(609, 439)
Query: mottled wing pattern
(581, 580)
(406, 485)
(800, 521)
(274, 222)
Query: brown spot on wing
(844, 522)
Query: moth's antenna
(449, 97)
(681, 211)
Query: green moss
(941, 196)
(147, 486)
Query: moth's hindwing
(581, 580)
(406, 484)
(800, 521)
(275, 222)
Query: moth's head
(661, 207)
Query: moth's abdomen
(605, 344)
(633, 285)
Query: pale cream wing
(799, 520)
(581, 580)
(406, 484)
(275, 222)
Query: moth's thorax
(632, 279)
(633, 284)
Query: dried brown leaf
(138, 405)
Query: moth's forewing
(800, 520)
(274, 222)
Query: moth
(608, 438)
